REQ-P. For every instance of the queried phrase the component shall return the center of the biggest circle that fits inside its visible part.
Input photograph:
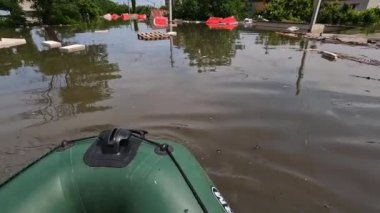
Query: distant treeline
(331, 12)
(202, 9)
(66, 11)
(78, 11)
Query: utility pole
(317, 5)
(129, 7)
(171, 33)
(170, 16)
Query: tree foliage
(74, 11)
(144, 9)
(292, 10)
(207, 49)
(335, 13)
(108, 6)
(331, 12)
(17, 16)
(133, 6)
(202, 9)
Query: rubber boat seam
(28, 166)
(38, 159)
(74, 183)
(181, 171)
(187, 181)
(142, 138)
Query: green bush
(75, 11)
(107, 6)
(293, 10)
(334, 13)
(142, 9)
(331, 12)
(371, 16)
(202, 10)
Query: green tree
(89, 10)
(333, 12)
(330, 13)
(292, 10)
(202, 9)
(74, 11)
(199, 45)
(107, 6)
(133, 6)
(143, 9)
(17, 16)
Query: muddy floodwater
(277, 127)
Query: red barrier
(214, 20)
(125, 16)
(222, 26)
(230, 20)
(141, 17)
(115, 16)
(160, 21)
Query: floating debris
(256, 147)
(11, 42)
(362, 60)
(52, 44)
(292, 35)
(107, 17)
(153, 36)
(366, 77)
(248, 21)
(101, 31)
(341, 38)
(372, 142)
(329, 55)
(352, 40)
(172, 33)
(72, 48)
(293, 29)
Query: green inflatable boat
(118, 171)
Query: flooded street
(277, 128)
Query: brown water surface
(278, 129)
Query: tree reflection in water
(72, 83)
(207, 48)
(14, 58)
(76, 83)
(272, 40)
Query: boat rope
(56, 148)
(140, 134)
(169, 152)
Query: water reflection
(20, 56)
(207, 48)
(79, 80)
(273, 40)
(71, 83)
(301, 69)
